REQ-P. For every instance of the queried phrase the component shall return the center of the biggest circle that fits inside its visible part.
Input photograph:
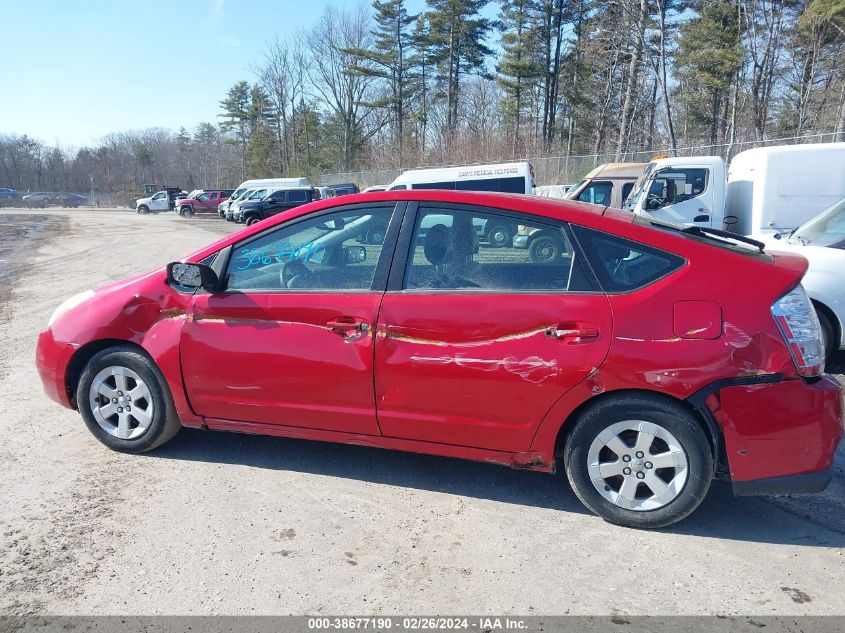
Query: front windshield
(639, 185)
(826, 229)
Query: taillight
(796, 317)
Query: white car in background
(822, 241)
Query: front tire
(252, 219)
(829, 341)
(143, 209)
(125, 402)
(639, 461)
(186, 212)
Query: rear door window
(451, 251)
(622, 265)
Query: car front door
(476, 343)
(159, 202)
(289, 341)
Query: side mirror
(192, 276)
(354, 254)
(270, 201)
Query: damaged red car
(645, 359)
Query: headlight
(69, 304)
(796, 317)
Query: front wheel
(125, 401)
(252, 219)
(186, 212)
(639, 461)
(143, 209)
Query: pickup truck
(164, 200)
(204, 202)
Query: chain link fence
(568, 170)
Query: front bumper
(52, 359)
(779, 437)
(520, 241)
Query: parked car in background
(503, 177)
(822, 242)
(275, 202)
(609, 184)
(202, 202)
(164, 200)
(233, 214)
(343, 189)
(73, 200)
(634, 362)
(248, 185)
(39, 199)
(8, 197)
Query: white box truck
(765, 190)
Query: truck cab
(687, 191)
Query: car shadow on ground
(721, 515)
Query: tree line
(376, 87)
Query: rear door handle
(573, 332)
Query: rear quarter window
(622, 265)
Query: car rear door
(474, 343)
(290, 339)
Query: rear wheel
(125, 402)
(639, 461)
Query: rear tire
(145, 420)
(664, 469)
(828, 334)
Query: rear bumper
(808, 483)
(780, 437)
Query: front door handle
(573, 332)
(345, 324)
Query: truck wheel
(252, 219)
(143, 209)
(545, 249)
(639, 461)
(186, 212)
(499, 235)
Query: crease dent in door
(388, 331)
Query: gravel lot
(223, 523)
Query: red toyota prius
(643, 358)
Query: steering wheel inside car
(291, 270)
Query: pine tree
(456, 35)
(519, 68)
(389, 59)
(236, 117)
(708, 58)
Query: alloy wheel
(121, 402)
(637, 465)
